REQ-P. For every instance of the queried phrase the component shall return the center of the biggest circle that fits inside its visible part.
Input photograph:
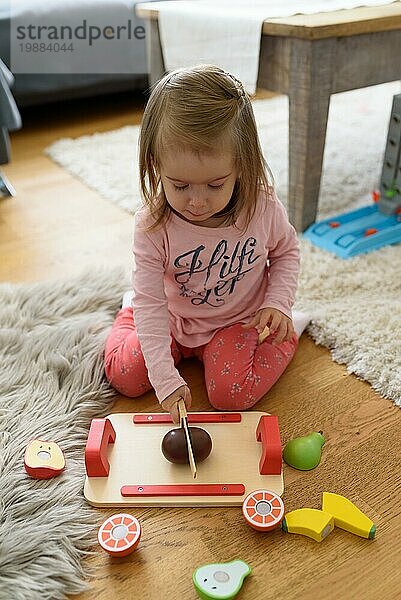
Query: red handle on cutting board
(192, 489)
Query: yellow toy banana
(347, 516)
(313, 523)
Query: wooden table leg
(154, 53)
(310, 86)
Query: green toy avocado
(304, 453)
(220, 581)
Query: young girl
(215, 259)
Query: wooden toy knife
(184, 423)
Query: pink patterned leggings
(238, 371)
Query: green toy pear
(304, 453)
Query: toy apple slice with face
(43, 460)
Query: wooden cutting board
(136, 460)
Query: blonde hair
(203, 109)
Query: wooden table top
(355, 21)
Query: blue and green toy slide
(378, 224)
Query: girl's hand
(170, 404)
(276, 321)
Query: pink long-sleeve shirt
(190, 281)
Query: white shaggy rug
(355, 304)
(51, 385)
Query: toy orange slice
(263, 510)
(119, 534)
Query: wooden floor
(56, 226)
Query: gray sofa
(30, 89)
